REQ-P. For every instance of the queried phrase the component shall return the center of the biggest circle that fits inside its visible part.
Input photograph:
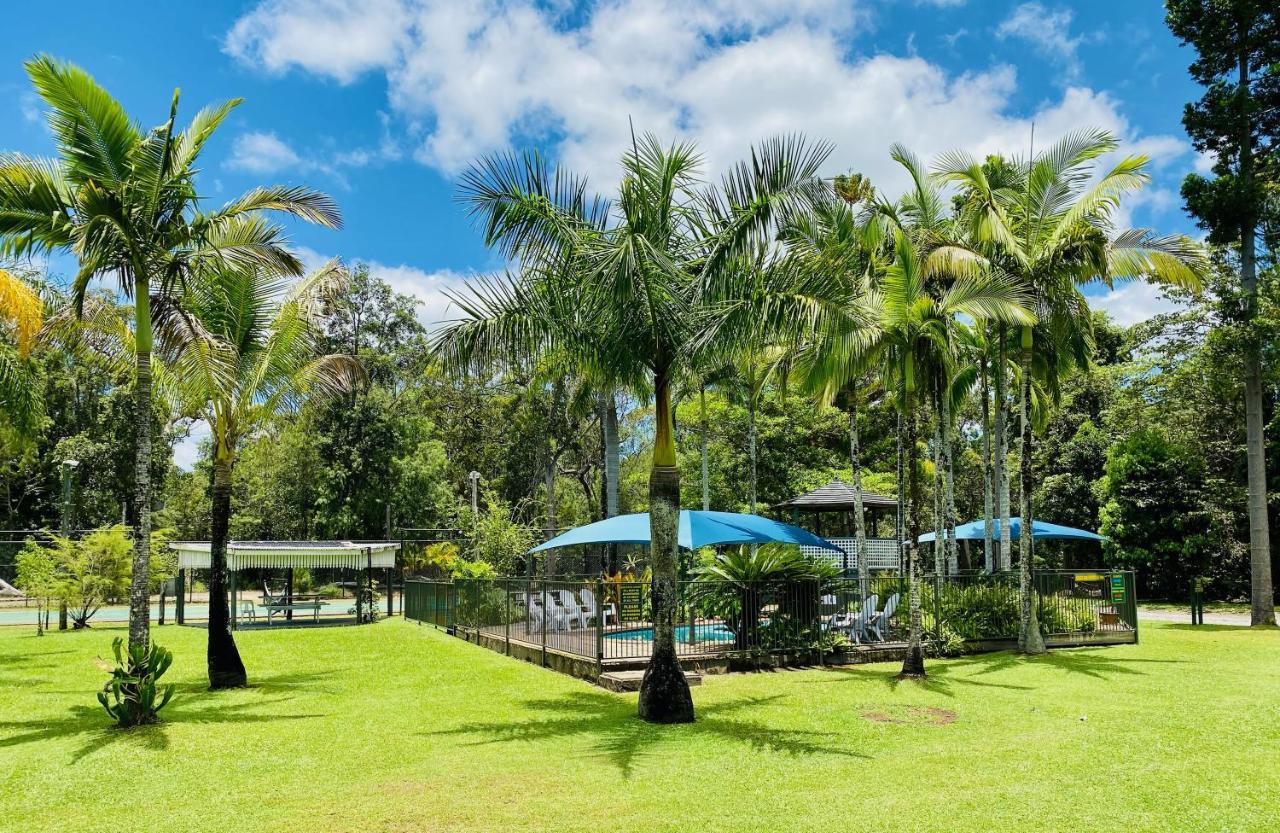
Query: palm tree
(23, 310)
(618, 286)
(124, 202)
(915, 331)
(1047, 222)
(245, 349)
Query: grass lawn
(1241, 608)
(400, 727)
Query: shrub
(132, 696)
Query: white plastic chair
(861, 619)
(592, 608)
(881, 619)
(564, 601)
(552, 616)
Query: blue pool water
(710, 633)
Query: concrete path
(1184, 616)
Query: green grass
(400, 727)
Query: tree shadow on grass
(616, 735)
(1100, 663)
(93, 725)
(272, 683)
(941, 678)
(16, 668)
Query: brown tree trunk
(1029, 639)
(140, 582)
(226, 670)
(1262, 610)
(664, 692)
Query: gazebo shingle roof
(834, 497)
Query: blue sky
(383, 102)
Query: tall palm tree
(915, 325)
(245, 346)
(23, 311)
(123, 201)
(1049, 223)
(618, 285)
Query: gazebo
(361, 558)
(828, 511)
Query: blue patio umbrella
(1040, 531)
(697, 529)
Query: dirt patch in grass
(918, 715)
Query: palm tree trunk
(549, 481)
(938, 541)
(702, 449)
(664, 692)
(612, 461)
(988, 526)
(226, 670)
(140, 583)
(1002, 456)
(751, 450)
(948, 483)
(900, 530)
(859, 522)
(913, 663)
(1029, 639)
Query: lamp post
(67, 468)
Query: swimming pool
(703, 633)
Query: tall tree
(618, 286)
(1237, 123)
(124, 202)
(246, 348)
(1047, 222)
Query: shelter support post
(391, 610)
(288, 593)
(179, 601)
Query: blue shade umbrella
(1040, 531)
(697, 529)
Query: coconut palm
(1048, 222)
(618, 285)
(22, 310)
(245, 348)
(123, 201)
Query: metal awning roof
(248, 555)
(836, 496)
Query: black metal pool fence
(602, 619)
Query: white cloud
(1205, 160)
(266, 153)
(1133, 302)
(429, 289)
(468, 79)
(1048, 31)
(262, 153)
(343, 37)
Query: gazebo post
(179, 603)
(391, 611)
(288, 593)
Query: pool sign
(1117, 588)
(632, 602)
